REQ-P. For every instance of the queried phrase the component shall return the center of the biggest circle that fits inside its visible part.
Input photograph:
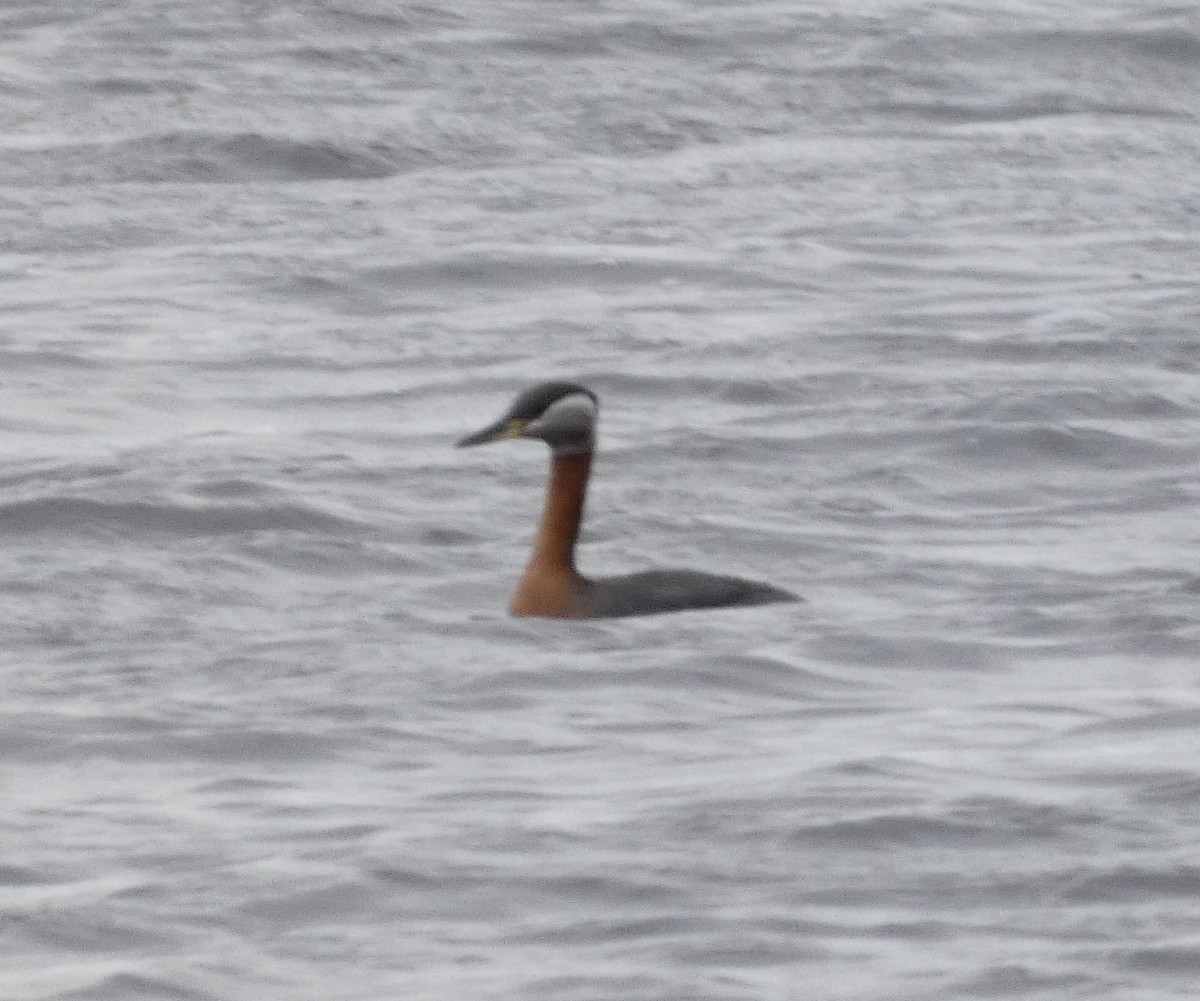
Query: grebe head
(562, 414)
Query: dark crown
(532, 403)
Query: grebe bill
(564, 415)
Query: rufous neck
(554, 547)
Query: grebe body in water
(563, 415)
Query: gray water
(893, 304)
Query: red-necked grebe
(563, 415)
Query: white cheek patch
(568, 425)
(574, 410)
